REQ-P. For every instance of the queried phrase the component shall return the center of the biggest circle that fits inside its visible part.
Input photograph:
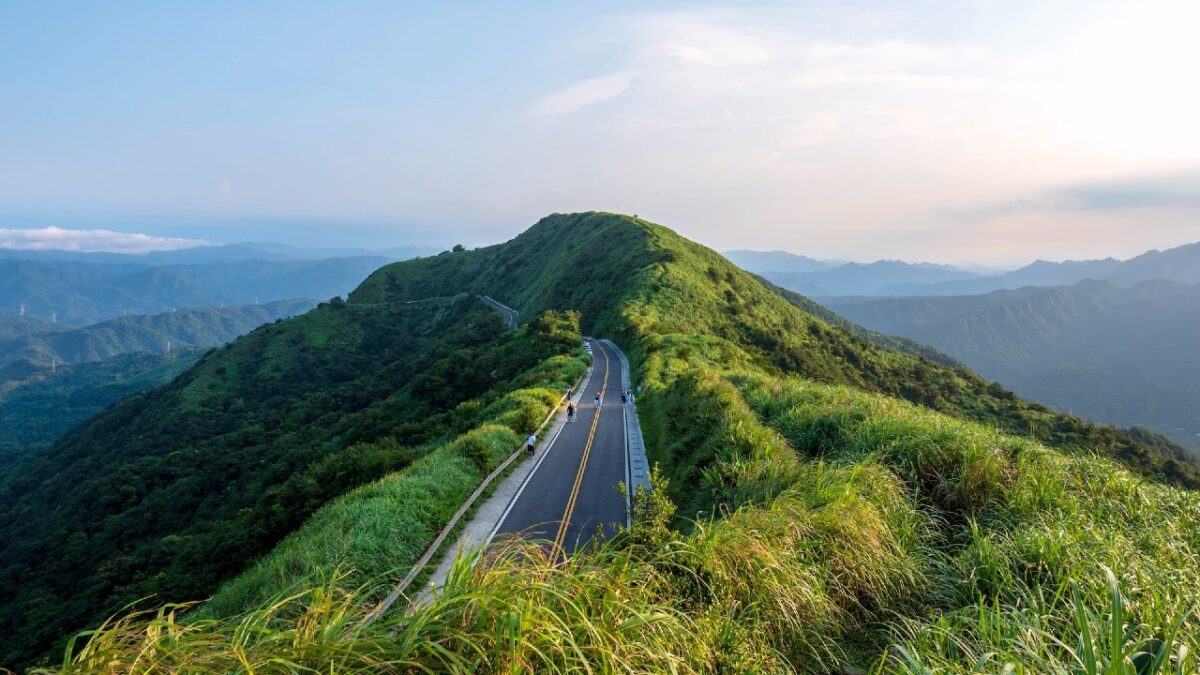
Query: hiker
(529, 443)
(570, 412)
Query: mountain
(878, 278)
(12, 327)
(81, 293)
(217, 253)
(39, 405)
(179, 487)
(1122, 355)
(1180, 265)
(201, 327)
(776, 262)
(836, 496)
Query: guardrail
(510, 314)
(419, 566)
(637, 467)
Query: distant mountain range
(777, 262)
(877, 278)
(1124, 355)
(219, 253)
(1180, 264)
(825, 278)
(81, 293)
(892, 278)
(42, 345)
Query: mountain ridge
(718, 354)
(1110, 352)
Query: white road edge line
(628, 473)
(538, 465)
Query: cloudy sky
(980, 130)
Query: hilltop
(839, 497)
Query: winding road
(571, 494)
(510, 314)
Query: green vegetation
(39, 405)
(1122, 355)
(80, 293)
(205, 327)
(171, 492)
(839, 504)
(373, 531)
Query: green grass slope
(670, 299)
(822, 503)
(170, 492)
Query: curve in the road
(510, 314)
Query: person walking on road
(624, 398)
(570, 391)
(529, 443)
(570, 412)
(597, 399)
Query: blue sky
(969, 130)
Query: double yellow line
(587, 451)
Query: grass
(821, 503)
(372, 531)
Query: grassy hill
(171, 491)
(840, 503)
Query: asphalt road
(510, 314)
(572, 495)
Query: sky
(970, 130)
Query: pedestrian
(529, 443)
(570, 412)
(624, 398)
(597, 399)
(570, 390)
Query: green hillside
(199, 327)
(82, 292)
(38, 405)
(1121, 355)
(171, 491)
(840, 503)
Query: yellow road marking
(587, 451)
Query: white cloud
(59, 239)
(582, 94)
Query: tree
(458, 248)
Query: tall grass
(819, 528)
(374, 532)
